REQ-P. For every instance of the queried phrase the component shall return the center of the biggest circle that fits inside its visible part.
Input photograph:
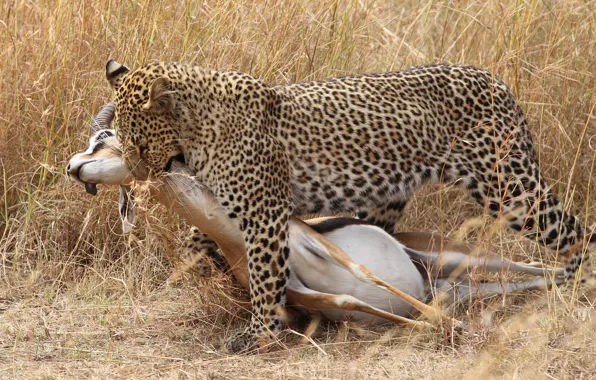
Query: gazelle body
(367, 245)
(338, 265)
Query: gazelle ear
(160, 96)
(126, 209)
(115, 73)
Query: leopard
(360, 144)
(198, 254)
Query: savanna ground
(78, 299)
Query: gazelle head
(101, 163)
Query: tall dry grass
(78, 299)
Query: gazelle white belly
(373, 248)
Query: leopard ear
(160, 96)
(115, 73)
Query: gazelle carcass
(338, 265)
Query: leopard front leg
(261, 201)
(265, 233)
(199, 254)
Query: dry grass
(79, 300)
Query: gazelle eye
(104, 135)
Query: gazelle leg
(335, 254)
(313, 300)
(497, 265)
(451, 264)
(452, 292)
